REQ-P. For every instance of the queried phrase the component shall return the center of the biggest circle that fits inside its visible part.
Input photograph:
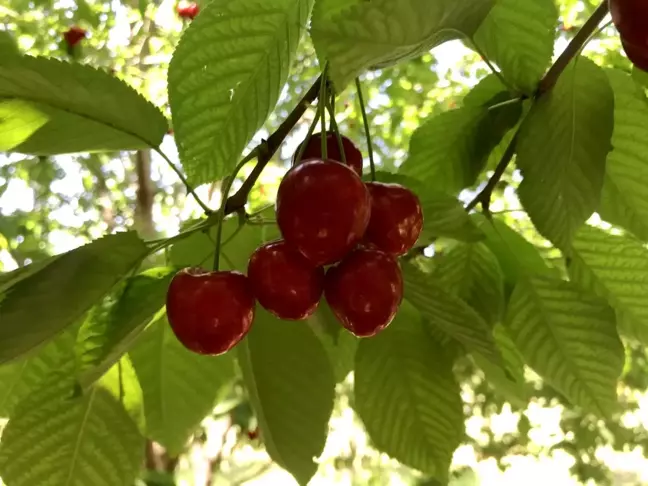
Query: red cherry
(638, 56)
(364, 291)
(188, 11)
(284, 282)
(74, 35)
(396, 218)
(323, 210)
(210, 312)
(253, 434)
(313, 150)
(630, 18)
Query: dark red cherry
(284, 282)
(313, 150)
(631, 20)
(74, 35)
(638, 56)
(396, 218)
(188, 11)
(323, 210)
(364, 291)
(210, 312)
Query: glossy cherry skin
(74, 35)
(631, 20)
(364, 291)
(285, 283)
(188, 11)
(313, 150)
(396, 218)
(323, 210)
(210, 312)
(638, 56)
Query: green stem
(335, 129)
(309, 134)
(365, 121)
(321, 105)
(162, 243)
(184, 180)
(222, 210)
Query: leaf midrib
(82, 426)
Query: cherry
(637, 55)
(210, 312)
(323, 210)
(284, 282)
(396, 218)
(188, 11)
(74, 35)
(364, 291)
(629, 17)
(313, 150)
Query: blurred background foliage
(53, 204)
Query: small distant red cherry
(74, 35)
(188, 11)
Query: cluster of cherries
(341, 238)
(631, 20)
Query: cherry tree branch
(546, 84)
(267, 148)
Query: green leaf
(52, 107)
(616, 268)
(517, 257)
(407, 397)
(562, 148)
(449, 151)
(384, 32)
(482, 94)
(625, 192)
(443, 214)
(56, 439)
(511, 386)
(518, 36)
(180, 387)
(40, 306)
(569, 337)
(225, 78)
(20, 378)
(449, 313)
(8, 46)
(292, 387)
(472, 272)
(8, 279)
(108, 333)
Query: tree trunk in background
(145, 193)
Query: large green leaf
(225, 78)
(518, 35)
(407, 397)
(383, 32)
(472, 272)
(180, 387)
(53, 107)
(449, 313)
(449, 151)
(562, 148)
(517, 257)
(569, 337)
(41, 305)
(8, 45)
(21, 377)
(625, 192)
(292, 386)
(616, 268)
(55, 439)
(110, 330)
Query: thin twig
(184, 180)
(267, 149)
(573, 48)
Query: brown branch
(546, 84)
(145, 194)
(266, 149)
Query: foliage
(515, 291)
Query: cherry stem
(227, 186)
(335, 129)
(321, 105)
(309, 134)
(365, 121)
(184, 181)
